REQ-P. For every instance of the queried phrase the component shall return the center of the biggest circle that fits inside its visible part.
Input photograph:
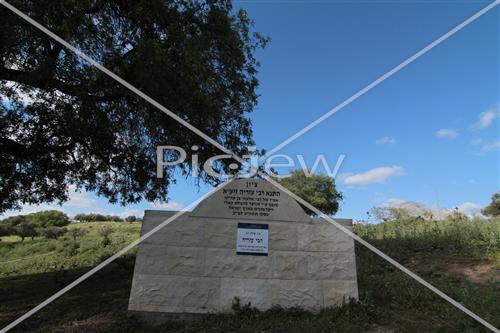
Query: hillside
(460, 258)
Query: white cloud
(171, 205)
(376, 175)
(393, 202)
(79, 199)
(446, 133)
(476, 141)
(386, 140)
(491, 146)
(486, 118)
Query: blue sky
(431, 132)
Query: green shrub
(54, 232)
(25, 229)
(97, 218)
(476, 238)
(77, 232)
(105, 241)
(131, 218)
(51, 247)
(105, 232)
(69, 248)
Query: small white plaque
(252, 239)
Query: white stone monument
(248, 240)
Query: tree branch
(40, 81)
(35, 80)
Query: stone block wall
(191, 266)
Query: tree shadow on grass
(102, 296)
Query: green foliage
(131, 218)
(48, 218)
(105, 241)
(69, 248)
(44, 255)
(97, 218)
(493, 209)
(54, 232)
(52, 246)
(48, 223)
(77, 232)
(86, 130)
(13, 221)
(25, 229)
(318, 190)
(476, 238)
(105, 232)
(5, 230)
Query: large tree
(48, 218)
(318, 190)
(25, 229)
(63, 122)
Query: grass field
(41, 255)
(462, 259)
